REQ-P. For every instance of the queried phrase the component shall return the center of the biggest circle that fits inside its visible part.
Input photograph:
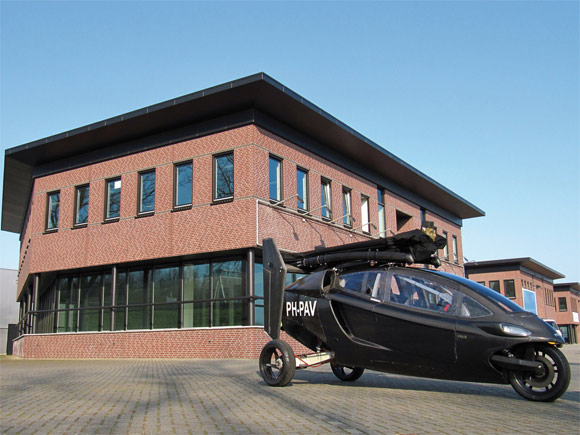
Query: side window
(420, 292)
(146, 192)
(366, 283)
(223, 176)
(81, 205)
(472, 308)
(52, 210)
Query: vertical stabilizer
(274, 283)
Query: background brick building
(141, 234)
(567, 303)
(526, 281)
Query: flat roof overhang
(258, 92)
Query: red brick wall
(242, 342)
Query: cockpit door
(416, 317)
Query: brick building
(567, 304)
(141, 234)
(528, 282)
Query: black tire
(549, 386)
(346, 373)
(277, 363)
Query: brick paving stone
(229, 396)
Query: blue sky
(481, 96)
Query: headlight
(516, 331)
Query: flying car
(366, 305)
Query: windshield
(496, 297)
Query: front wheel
(277, 363)
(345, 373)
(547, 386)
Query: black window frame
(280, 189)
(381, 212)
(140, 211)
(368, 207)
(509, 283)
(215, 158)
(48, 212)
(327, 207)
(108, 218)
(76, 223)
(305, 199)
(492, 283)
(176, 167)
(560, 305)
(347, 218)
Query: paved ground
(227, 396)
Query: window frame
(107, 204)
(347, 207)
(455, 248)
(48, 211)
(560, 300)
(76, 223)
(140, 211)
(505, 288)
(215, 158)
(445, 234)
(279, 181)
(176, 167)
(365, 210)
(305, 200)
(325, 208)
(498, 290)
(382, 216)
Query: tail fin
(274, 283)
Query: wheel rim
(273, 363)
(538, 384)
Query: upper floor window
(509, 288)
(562, 304)
(113, 198)
(364, 213)
(302, 189)
(146, 192)
(81, 205)
(494, 285)
(183, 184)
(325, 199)
(275, 179)
(446, 247)
(346, 208)
(52, 210)
(382, 216)
(454, 247)
(223, 176)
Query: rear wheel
(346, 373)
(277, 363)
(548, 385)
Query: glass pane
(120, 301)
(147, 192)
(227, 283)
(325, 199)
(302, 189)
(382, 221)
(196, 286)
(275, 179)
(421, 292)
(258, 292)
(346, 208)
(113, 199)
(65, 318)
(166, 289)
(53, 210)
(90, 297)
(139, 293)
(364, 211)
(224, 176)
(82, 205)
(184, 184)
(107, 301)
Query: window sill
(222, 201)
(111, 220)
(181, 208)
(79, 226)
(51, 231)
(144, 215)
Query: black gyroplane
(360, 306)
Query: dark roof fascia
(567, 286)
(258, 91)
(525, 264)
